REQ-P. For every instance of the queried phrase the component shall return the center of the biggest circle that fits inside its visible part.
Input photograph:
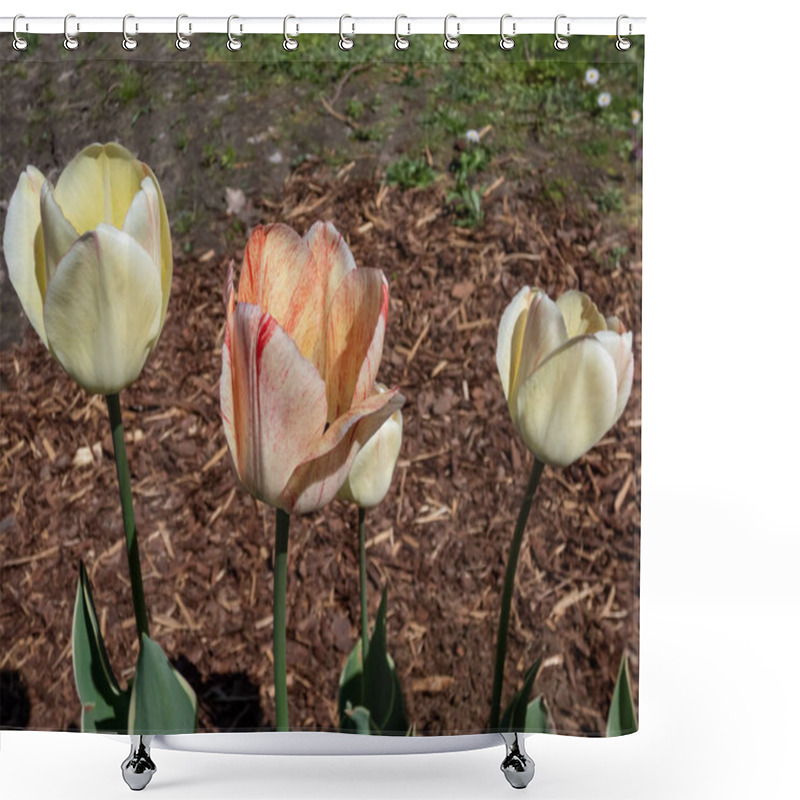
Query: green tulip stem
(279, 620)
(129, 522)
(508, 593)
(362, 552)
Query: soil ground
(440, 539)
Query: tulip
(372, 470)
(303, 343)
(91, 262)
(566, 372)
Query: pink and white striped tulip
(303, 343)
(566, 372)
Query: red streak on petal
(265, 331)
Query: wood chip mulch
(439, 541)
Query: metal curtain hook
(128, 42)
(400, 42)
(70, 42)
(345, 42)
(233, 43)
(451, 42)
(19, 43)
(506, 42)
(561, 43)
(623, 43)
(181, 42)
(289, 42)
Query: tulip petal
(143, 220)
(272, 401)
(24, 247)
(281, 276)
(580, 314)
(316, 481)
(58, 234)
(509, 338)
(333, 256)
(354, 338)
(373, 467)
(620, 348)
(569, 402)
(166, 245)
(102, 310)
(99, 185)
(544, 333)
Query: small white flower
(636, 117)
(592, 76)
(473, 137)
(604, 99)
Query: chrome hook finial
(128, 42)
(19, 44)
(451, 42)
(181, 42)
(623, 44)
(346, 42)
(506, 42)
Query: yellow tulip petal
(58, 235)
(316, 481)
(569, 402)
(281, 276)
(24, 248)
(620, 348)
(143, 220)
(580, 314)
(354, 338)
(372, 470)
(272, 400)
(543, 334)
(166, 246)
(102, 310)
(509, 337)
(99, 185)
(333, 256)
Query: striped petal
(99, 185)
(102, 310)
(567, 405)
(281, 276)
(23, 247)
(272, 402)
(354, 338)
(316, 481)
(331, 252)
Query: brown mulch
(439, 541)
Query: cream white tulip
(566, 371)
(371, 473)
(91, 261)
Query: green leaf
(537, 717)
(161, 700)
(362, 720)
(514, 717)
(104, 706)
(373, 686)
(622, 715)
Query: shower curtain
(320, 376)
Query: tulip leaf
(622, 714)
(104, 706)
(515, 716)
(537, 716)
(161, 700)
(373, 685)
(362, 720)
